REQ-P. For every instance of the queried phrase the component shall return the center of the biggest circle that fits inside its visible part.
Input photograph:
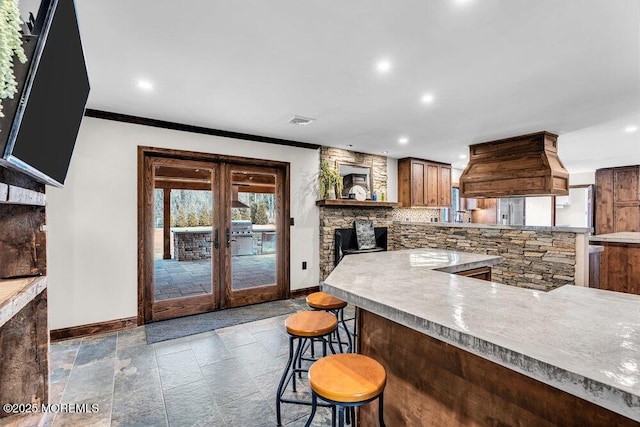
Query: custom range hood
(525, 165)
(235, 203)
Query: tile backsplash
(416, 214)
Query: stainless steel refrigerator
(511, 211)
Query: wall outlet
(304, 265)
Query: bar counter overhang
(509, 355)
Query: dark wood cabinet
(422, 183)
(617, 199)
(619, 267)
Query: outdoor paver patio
(176, 279)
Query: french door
(213, 233)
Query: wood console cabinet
(482, 273)
(422, 183)
(617, 199)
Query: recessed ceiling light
(383, 66)
(631, 129)
(385, 152)
(427, 98)
(463, 156)
(145, 85)
(403, 140)
(349, 145)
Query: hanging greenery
(10, 46)
(329, 181)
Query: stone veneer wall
(343, 217)
(533, 259)
(191, 246)
(378, 164)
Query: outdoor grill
(241, 237)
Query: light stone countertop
(578, 230)
(622, 237)
(580, 340)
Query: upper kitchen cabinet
(422, 183)
(618, 199)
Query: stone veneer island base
(461, 351)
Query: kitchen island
(619, 261)
(463, 351)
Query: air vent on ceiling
(302, 121)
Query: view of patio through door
(214, 233)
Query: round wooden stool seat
(347, 378)
(324, 301)
(311, 323)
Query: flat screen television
(46, 117)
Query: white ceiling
(496, 68)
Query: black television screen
(47, 119)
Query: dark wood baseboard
(297, 293)
(93, 329)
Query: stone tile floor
(176, 279)
(226, 377)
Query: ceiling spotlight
(427, 98)
(385, 152)
(350, 145)
(403, 140)
(383, 66)
(631, 129)
(145, 85)
(463, 156)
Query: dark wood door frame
(145, 223)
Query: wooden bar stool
(326, 302)
(303, 327)
(347, 380)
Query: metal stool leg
(381, 409)
(314, 403)
(282, 382)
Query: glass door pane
(184, 239)
(253, 229)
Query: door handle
(228, 238)
(216, 242)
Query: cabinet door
(604, 201)
(626, 218)
(626, 185)
(431, 186)
(444, 190)
(418, 175)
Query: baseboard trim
(93, 329)
(297, 293)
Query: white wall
(584, 178)
(576, 212)
(392, 179)
(92, 222)
(538, 211)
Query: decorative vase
(331, 193)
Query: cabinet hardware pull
(216, 242)
(228, 238)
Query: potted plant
(330, 181)
(10, 46)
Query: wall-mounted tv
(43, 127)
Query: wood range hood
(526, 165)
